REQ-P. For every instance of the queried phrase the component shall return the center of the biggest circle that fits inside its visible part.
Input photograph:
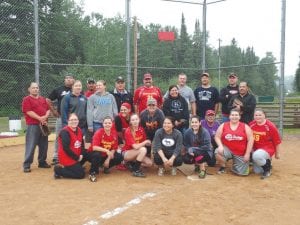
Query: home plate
(195, 177)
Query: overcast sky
(254, 23)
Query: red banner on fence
(166, 36)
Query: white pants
(259, 158)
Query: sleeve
(192, 96)
(249, 105)
(25, 105)
(166, 95)
(186, 139)
(64, 110)
(161, 118)
(136, 96)
(114, 106)
(65, 138)
(274, 133)
(116, 142)
(179, 145)
(97, 138)
(156, 144)
(160, 98)
(89, 112)
(118, 124)
(206, 140)
(222, 96)
(216, 95)
(186, 113)
(129, 138)
(166, 107)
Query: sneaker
(54, 162)
(106, 170)
(93, 177)
(138, 173)
(44, 165)
(197, 168)
(26, 170)
(161, 171)
(202, 174)
(221, 170)
(265, 174)
(173, 171)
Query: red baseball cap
(210, 113)
(147, 76)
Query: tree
(297, 79)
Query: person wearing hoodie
(176, 106)
(100, 105)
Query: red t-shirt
(136, 138)
(235, 140)
(88, 93)
(38, 105)
(103, 140)
(142, 94)
(75, 146)
(266, 136)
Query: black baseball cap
(120, 79)
(90, 81)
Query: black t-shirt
(58, 94)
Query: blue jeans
(97, 126)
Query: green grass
(291, 131)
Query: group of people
(132, 132)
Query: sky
(254, 23)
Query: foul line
(121, 209)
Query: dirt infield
(120, 199)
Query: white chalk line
(121, 209)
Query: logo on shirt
(204, 95)
(176, 106)
(168, 142)
(233, 137)
(77, 144)
(64, 93)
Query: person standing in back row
(121, 94)
(207, 97)
(226, 94)
(56, 95)
(143, 93)
(244, 102)
(186, 92)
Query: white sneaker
(161, 171)
(173, 171)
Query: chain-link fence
(94, 46)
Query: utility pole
(204, 36)
(36, 43)
(135, 52)
(219, 57)
(128, 66)
(282, 59)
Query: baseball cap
(147, 76)
(151, 101)
(120, 79)
(210, 113)
(204, 74)
(232, 75)
(127, 105)
(69, 75)
(90, 81)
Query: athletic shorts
(238, 165)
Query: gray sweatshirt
(99, 107)
(170, 144)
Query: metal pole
(135, 52)
(36, 43)
(204, 36)
(282, 61)
(219, 57)
(128, 44)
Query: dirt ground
(118, 198)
